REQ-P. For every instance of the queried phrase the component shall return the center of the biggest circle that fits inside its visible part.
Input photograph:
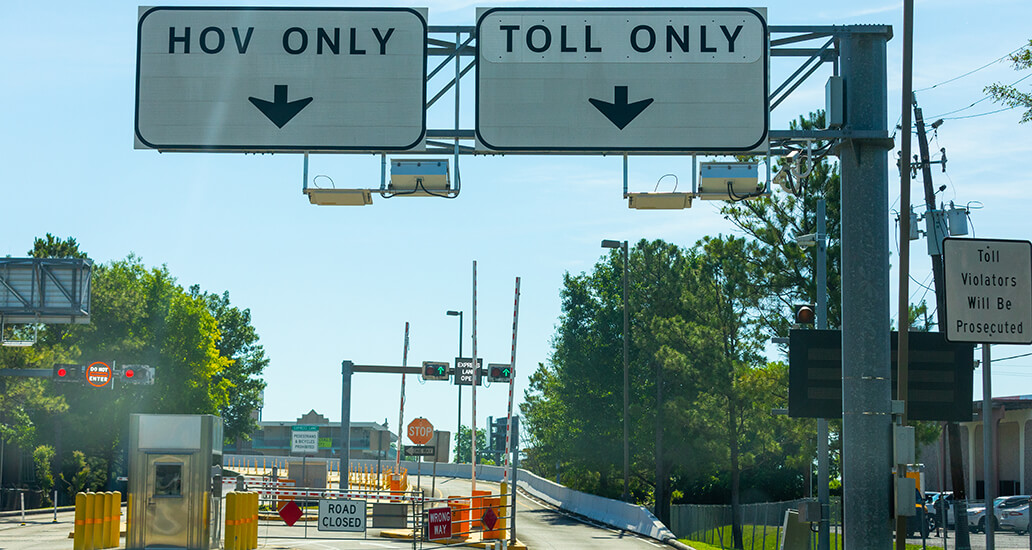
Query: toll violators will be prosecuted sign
(342, 515)
(988, 290)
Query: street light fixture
(458, 423)
(622, 245)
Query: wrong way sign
(280, 79)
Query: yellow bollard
(105, 518)
(230, 521)
(254, 520)
(116, 519)
(87, 536)
(504, 509)
(98, 520)
(78, 538)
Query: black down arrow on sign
(279, 110)
(619, 112)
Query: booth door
(168, 507)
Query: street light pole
(458, 423)
(626, 378)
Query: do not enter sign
(420, 431)
(98, 374)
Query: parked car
(1015, 519)
(976, 513)
(1012, 514)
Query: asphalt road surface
(539, 526)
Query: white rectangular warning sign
(988, 291)
(342, 515)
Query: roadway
(539, 526)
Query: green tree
(1009, 94)
(463, 444)
(239, 342)
(774, 221)
(42, 461)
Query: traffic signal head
(499, 372)
(434, 370)
(136, 374)
(804, 314)
(65, 373)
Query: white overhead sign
(342, 515)
(611, 79)
(280, 79)
(304, 439)
(988, 291)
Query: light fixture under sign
(419, 178)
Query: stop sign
(420, 431)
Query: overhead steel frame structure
(857, 53)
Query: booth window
(168, 480)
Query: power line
(980, 114)
(997, 60)
(1018, 81)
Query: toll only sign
(342, 515)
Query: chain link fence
(761, 523)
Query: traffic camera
(499, 372)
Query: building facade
(369, 440)
(1012, 439)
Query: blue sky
(330, 283)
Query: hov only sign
(280, 79)
(608, 79)
(342, 515)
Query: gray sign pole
(988, 456)
(866, 376)
(823, 530)
(344, 467)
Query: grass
(761, 542)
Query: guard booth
(174, 499)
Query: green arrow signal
(505, 373)
(440, 370)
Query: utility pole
(963, 538)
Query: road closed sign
(988, 290)
(342, 515)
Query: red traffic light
(129, 373)
(62, 372)
(805, 314)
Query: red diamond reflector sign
(489, 519)
(290, 512)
